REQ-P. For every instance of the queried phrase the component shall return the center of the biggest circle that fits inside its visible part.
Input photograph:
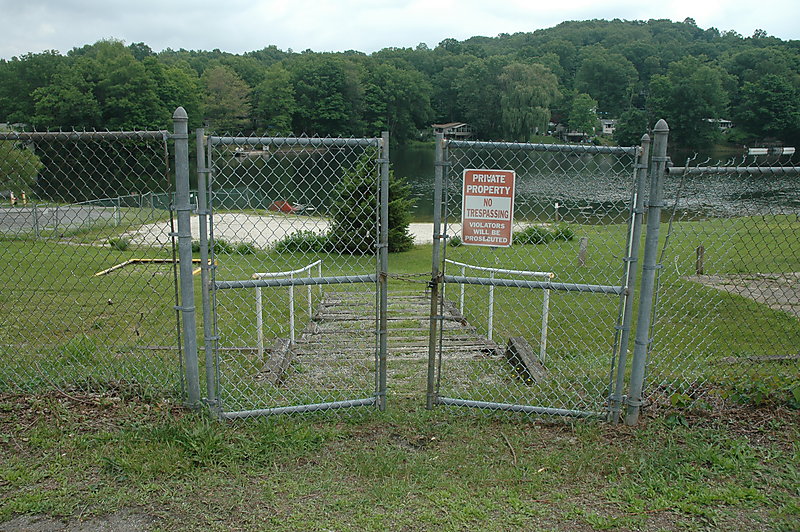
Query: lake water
(596, 189)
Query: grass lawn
(112, 448)
(101, 460)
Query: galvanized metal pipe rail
(259, 304)
(493, 271)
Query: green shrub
(533, 234)
(246, 248)
(303, 242)
(455, 242)
(222, 246)
(119, 243)
(195, 246)
(563, 232)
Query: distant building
(454, 130)
(722, 123)
(607, 125)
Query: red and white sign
(487, 208)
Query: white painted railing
(524, 273)
(259, 305)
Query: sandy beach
(262, 231)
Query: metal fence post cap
(646, 137)
(661, 126)
(180, 114)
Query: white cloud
(324, 25)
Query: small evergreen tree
(355, 211)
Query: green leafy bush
(563, 232)
(533, 234)
(246, 248)
(303, 242)
(223, 246)
(455, 242)
(119, 243)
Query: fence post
(647, 285)
(490, 318)
(36, 230)
(291, 310)
(205, 266)
(181, 136)
(629, 276)
(383, 277)
(439, 164)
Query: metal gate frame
(210, 285)
(625, 289)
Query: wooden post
(584, 247)
(698, 265)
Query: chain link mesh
(728, 301)
(295, 210)
(571, 220)
(87, 279)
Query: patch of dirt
(779, 291)
(121, 521)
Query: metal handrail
(490, 319)
(260, 308)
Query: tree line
(508, 87)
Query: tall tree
(607, 77)
(528, 92)
(226, 102)
(329, 95)
(690, 96)
(583, 114)
(105, 86)
(399, 100)
(19, 168)
(770, 108)
(177, 84)
(19, 78)
(273, 101)
(479, 94)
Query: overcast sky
(239, 26)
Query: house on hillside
(607, 126)
(454, 130)
(722, 123)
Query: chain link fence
(727, 312)
(295, 240)
(549, 305)
(84, 305)
(290, 269)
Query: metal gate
(296, 250)
(555, 306)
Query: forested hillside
(507, 87)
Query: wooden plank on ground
(520, 354)
(280, 356)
